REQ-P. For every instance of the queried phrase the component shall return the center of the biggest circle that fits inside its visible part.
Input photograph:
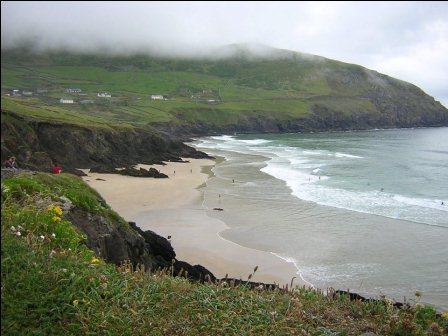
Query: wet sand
(174, 207)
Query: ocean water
(365, 211)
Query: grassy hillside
(53, 285)
(237, 90)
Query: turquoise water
(362, 210)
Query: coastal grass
(242, 90)
(52, 284)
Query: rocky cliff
(37, 144)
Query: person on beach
(56, 169)
(11, 163)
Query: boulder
(142, 172)
(102, 169)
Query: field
(217, 93)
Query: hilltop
(243, 88)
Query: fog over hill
(404, 40)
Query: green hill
(53, 284)
(240, 89)
(237, 89)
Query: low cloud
(407, 40)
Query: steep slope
(57, 233)
(37, 144)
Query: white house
(156, 97)
(104, 95)
(73, 90)
(66, 101)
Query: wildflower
(445, 314)
(64, 270)
(95, 261)
(13, 228)
(57, 210)
(53, 235)
(42, 237)
(75, 302)
(18, 233)
(56, 219)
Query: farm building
(156, 97)
(66, 101)
(104, 95)
(73, 90)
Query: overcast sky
(405, 40)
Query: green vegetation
(215, 92)
(54, 285)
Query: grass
(54, 285)
(280, 90)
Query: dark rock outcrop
(152, 172)
(117, 241)
(156, 244)
(102, 169)
(356, 297)
(74, 171)
(38, 144)
(112, 240)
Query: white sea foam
(294, 262)
(303, 186)
(301, 171)
(344, 155)
(255, 142)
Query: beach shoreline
(175, 207)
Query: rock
(218, 209)
(156, 244)
(74, 171)
(357, 297)
(37, 144)
(103, 170)
(112, 240)
(196, 272)
(152, 172)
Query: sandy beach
(174, 207)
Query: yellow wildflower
(95, 261)
(56, 219)
(57, 209)
(445, 314)
(75, 302)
